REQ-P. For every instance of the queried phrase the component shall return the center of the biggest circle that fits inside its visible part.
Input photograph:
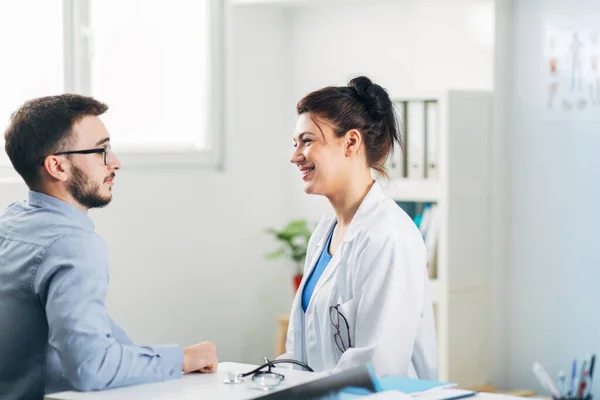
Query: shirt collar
(44, 201)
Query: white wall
(553, 266)
(408, 47)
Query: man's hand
(201, 357)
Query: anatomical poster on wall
(572, 71)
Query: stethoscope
(264, 379)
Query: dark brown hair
(361, 105)
(43, 126)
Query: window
(157, 64)
(31, 44)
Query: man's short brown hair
(43, 126)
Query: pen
(582, 379)
(590, 372)
(592, 369)
(545, 380)
(573, 378)
(562, 387)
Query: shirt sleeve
(72, 283)
(120, 335)
(389, 289)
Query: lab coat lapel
(333, 263)
(365, 211)
(329, 270)
(314, 257)
(369, 203)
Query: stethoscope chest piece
(234, 378)
(267, 379)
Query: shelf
(413, 190)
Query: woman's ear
(352, 142)
(56, 168)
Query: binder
(425, 220)
(431, 237)
(403, 129)
(395, 161)
(415, 138)
(394, 164)
(431, 139)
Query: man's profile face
(91, 180)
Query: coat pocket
(342, 317)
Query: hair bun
(374, 97)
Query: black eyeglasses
(341, 337)
(105, 150)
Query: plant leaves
(276, 254)
(294, 237)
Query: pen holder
(588, 397)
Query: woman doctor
(364, 297)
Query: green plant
(294, 241)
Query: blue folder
(408, 385)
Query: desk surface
(211, 386)
(193, 386)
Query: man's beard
(85, 192)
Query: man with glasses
(55, 331)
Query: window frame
(78, 42)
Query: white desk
(193, 386)
(211, 386)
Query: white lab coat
(378, 277)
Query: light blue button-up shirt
(55, 331)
